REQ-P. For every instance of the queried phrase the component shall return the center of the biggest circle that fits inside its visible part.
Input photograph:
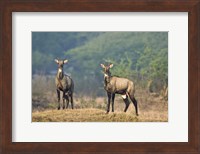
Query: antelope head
(60, 67)
(107, 69)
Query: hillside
(46, 46)
(139, 56)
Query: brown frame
(9, 6)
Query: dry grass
(88, 109)
(81, 115)
(151, 111)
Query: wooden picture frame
(6, 9)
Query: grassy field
(82, 115)
(93, 109)
(93, 115)
(151, 109)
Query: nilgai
(116, 85)
(65, 84)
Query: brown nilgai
(65, 84)
(116, 85)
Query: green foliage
(159, 66)
(41, 62)
(123, 67)
(49, 45)
(140, 56)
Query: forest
(139, 56)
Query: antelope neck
(107, 78)
(60, 73)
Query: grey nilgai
(65, 84)
(116, 85)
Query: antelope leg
(109, 97)
(136, 107)
(58, 95)
(64, 96)
(113, 99)
(126, 101)
(72, 103)
(67, 101)
(134, 103)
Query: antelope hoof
(107, 112)
(58, 108)
(137, 114)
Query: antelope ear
(111, 65)
(102, 65)
(65, 61)
(56, 60)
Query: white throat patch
(105, 75)
(59, 70)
